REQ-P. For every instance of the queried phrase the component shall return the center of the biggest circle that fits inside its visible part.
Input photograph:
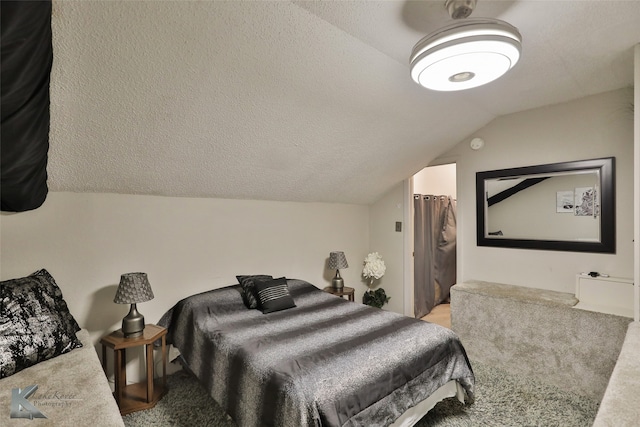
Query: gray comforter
(326, 362)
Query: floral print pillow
(35, 322)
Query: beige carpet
(544, 339)
(440, 315)
(502, 400)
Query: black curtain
(27, 56)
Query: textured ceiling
(296, 101)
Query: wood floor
(441, 315)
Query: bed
(324, 362)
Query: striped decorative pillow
(273, 295)
(249, 295)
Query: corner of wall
(383, 238)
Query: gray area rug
(502, 399)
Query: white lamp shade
(465, 54)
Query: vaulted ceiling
(295, 101)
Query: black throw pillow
(273, 295)
(35, 323)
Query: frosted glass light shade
(465, 54)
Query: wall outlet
(398, 226)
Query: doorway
(433, 202)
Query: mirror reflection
(566, 206)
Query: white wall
(185, 245)
(437, 180)
(636, 179)
(591, 127)
(389, 243)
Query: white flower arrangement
(374, 267)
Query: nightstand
(143, 395)
(341, 292)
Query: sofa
(50, 374)
(72, 391)
(619, 406)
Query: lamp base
(133, 323)
(337, 282)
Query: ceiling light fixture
(467, 53)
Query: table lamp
(133, 288)
(337, 260)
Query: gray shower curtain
(434, 251)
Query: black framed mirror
(566, 206)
